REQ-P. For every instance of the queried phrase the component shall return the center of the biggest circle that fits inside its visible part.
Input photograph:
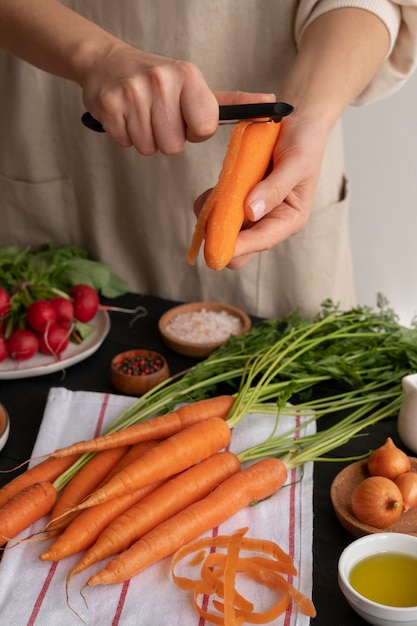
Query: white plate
(42, 364)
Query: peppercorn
(140, 366)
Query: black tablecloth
(25, 401)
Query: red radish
(39, 314)
(64, 309)
(86, 302)
(54, 339)
(22, 344)
(4, 302)
(4, 353)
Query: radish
(22, 344)
(85, 301)
(54, 339)
(39, 314)
(64, 309)
(4, 302)
(4, 353)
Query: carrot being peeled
(229, 163)
(164, 502)
(173, 455)
(254, 483)
(221, 218)
(25, 508)
(155, 428)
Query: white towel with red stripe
(32, 592)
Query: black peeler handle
(227, 112)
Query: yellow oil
(388, 578)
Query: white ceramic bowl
(373, 612)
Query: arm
(141, 99)
(339, 54)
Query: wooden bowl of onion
(377, 494)
(135, 372)
(198, 328)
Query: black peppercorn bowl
(134, 372)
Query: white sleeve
(400, 19)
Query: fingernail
(258, 209)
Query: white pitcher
(407, 419)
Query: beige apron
(62, 182)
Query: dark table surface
(25, 401)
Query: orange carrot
(173, 455)
(24, 508)
(170, 498)
(81, 486)
(222, 215)
(229, 163)
(85, 528)
(256, 482)
(155, 428)
(47, 470)
(132, 453)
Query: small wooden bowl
(199, 349)
(4, 426)
(137, 384)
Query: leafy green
(59, 268)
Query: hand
(279, 206)
(152, 102)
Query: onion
(388, 461)
(377, 501)
(407, 484)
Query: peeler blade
(228, 114)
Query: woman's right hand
(148, 101)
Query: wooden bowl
(4, 426)
(128, 371)
(341, 494)
(202, 327)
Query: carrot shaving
(217, 577)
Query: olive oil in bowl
(388, 578)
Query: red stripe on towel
(52, 569)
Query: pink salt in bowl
(198, 328)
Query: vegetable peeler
(228, 114)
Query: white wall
(381, 162)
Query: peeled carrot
(47, 470)
(221, 218)
(81, 485)
(256, 482)
(25, 508)
(173, 455)
(170, 498)
(155, 428)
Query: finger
(243, 97)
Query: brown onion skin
(377, 502)
(388, 461)
(407, 484)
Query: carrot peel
(218, 577)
